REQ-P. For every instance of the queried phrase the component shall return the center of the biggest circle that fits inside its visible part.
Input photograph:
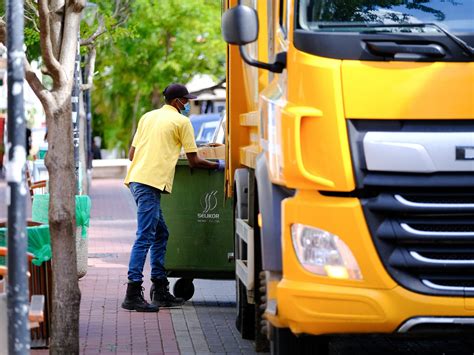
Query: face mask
(186, 110)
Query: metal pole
(88, 108)
(17, 286)
(88, 101)
(75, 114)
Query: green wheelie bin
(199, 220)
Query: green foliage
(32, 42)
(31, 34)
(162, 42)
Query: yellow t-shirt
(158, 141)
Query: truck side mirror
(240, 27)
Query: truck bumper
(314, 304)
(320, 309)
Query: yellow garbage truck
(350, 156)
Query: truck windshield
(456, 16)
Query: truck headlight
(324, 253)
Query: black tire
(285, 342)
(184, 288)
(245, 320)
(260, 292)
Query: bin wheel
(184, 288)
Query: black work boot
(160, 295)
(135, 301)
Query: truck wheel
(245, 317)
(260, 291)
(285, 342)
(261, 340)
(245, 320)
(184, 288)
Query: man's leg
(147, 200)
(161, 296)
(158, 248)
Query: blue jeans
(152, 233)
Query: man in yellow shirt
(160, 136)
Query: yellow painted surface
(469, 303)
(237, 135)
(243, 86)
(248, 155)
(249, 119)
(301, 119)
(312, 308)
(272, 295)
(314, 137)
(404, 90)
(263, 38)
(314, 304)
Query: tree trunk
(62, 223)
(135, 112)
(156, 98)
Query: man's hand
(221, 166)
(196, 162)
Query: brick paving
(202, 326)
(106, 328)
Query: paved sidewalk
(205, 325)
(202, 326)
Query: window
(284, 15)
(341, 15)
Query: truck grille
(425, 242)
(422, 224)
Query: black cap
(177, 91)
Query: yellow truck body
(318, 126)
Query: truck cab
(351, 143)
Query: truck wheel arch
(270, 197)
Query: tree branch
(31, 6)
(91, 69)
(31, 13)
(70, 33)
(99, 32)
(121, 13)
(50, 61)
(3, 31)
(78, 5)
(56, 19)
(38, 88)
(117, 8)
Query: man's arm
(131, 153)
(196, 162)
